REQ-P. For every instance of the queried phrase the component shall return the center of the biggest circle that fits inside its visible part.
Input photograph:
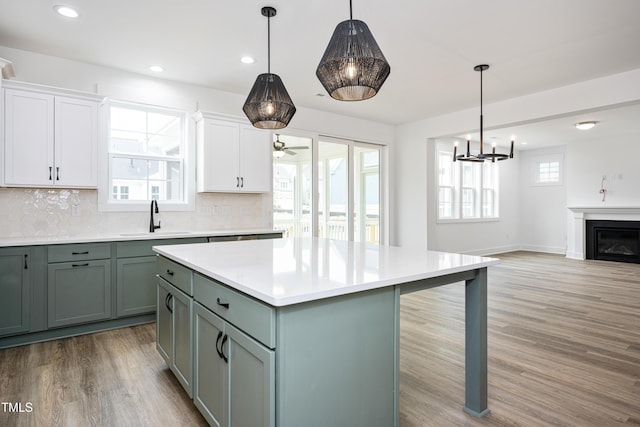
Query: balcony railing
(336, 229)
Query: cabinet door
(182, 338)
(14, 291)
(218, 156)
(164, 322)
(79, 292)
(255, 159)
(28, 138)
(136, 285)
(210, 388)
(251, 381)
(76, 142)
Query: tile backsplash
(51, 212)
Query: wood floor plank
(563, 350)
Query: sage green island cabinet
(173, 320)
(306, 331)
(234, 373)
(15, 290)
(79, 283)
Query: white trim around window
(118, 195)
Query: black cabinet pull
(167, 302)
(80, 253)
(242, 182)
(223, 304)
(26, 258)
(224, 340)
(170, 272)
(237, 181)
(50, 171)
(86, 264)
(57, 173)
(217, 341)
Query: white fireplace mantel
(576, 231)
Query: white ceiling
(432, 45)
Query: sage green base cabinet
(174, 323)
(79, 283)
(136, 293)
(15, 290)
(136, 274)
(234, 375)
(330, 362)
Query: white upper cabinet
(50, 139)
(232, 156)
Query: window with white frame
(466, 190)
(146, 147)
(547, 170)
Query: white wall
(413, 211)
(543, 208)
(589, 160)
(20, 216)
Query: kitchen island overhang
(316, 281)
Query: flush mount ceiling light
(481, 156)
(585, 125)
(247, 60)
(66, 11)
(269, 105)
(156, 68)
(353, 67)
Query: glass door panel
(366, 198)
(292, 185)
(333, 190)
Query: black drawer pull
(80, 253)
(80, 265)
(167, 302)
(224, 340)
(170, 272)
(223, 304)
(217, 342)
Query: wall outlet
(75, 210)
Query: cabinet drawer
(247, 314)
(176, 274)
(79, 252)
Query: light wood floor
(564, 350)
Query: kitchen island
(305, 331)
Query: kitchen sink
(156, 233)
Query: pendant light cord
(269, 44)
(350, 10)
(481, 141)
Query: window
(146, 156)
(547, 170)
(466, 190)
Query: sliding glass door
(346, 180)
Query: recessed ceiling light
(247, 60)
(585, 125)
(67, 11)
(156, 68)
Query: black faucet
(152, 226)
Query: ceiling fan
(280, 148)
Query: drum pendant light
(353, 67)
(268, 105)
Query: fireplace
(613, 240)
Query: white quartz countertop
(282, 272)
(125, 236)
